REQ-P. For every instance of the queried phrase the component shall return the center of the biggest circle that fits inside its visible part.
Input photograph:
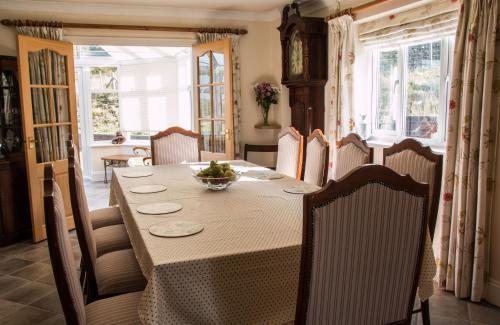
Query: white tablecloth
(243, 268)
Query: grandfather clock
(305, 68)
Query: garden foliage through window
(410, 90)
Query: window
(411, 90)
(133, 89)
(104, 102)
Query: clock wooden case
(304, 67)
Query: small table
(116, 161)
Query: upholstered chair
(108, 261)
(174, 146)
(410, 157)
(317, 157)
(352, 152)
(290, 150)
(118, 310)
(354, 268)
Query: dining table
(243, 267)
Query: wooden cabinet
(14, 197)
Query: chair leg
(426, 319)
(82, 273)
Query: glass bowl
(216, 183)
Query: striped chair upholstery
(174, 146)
(290, 146)
(409, 157)
(120, 310)
(316, 169)
(355, 268)
(100, 246)
(352, 152)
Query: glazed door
(46, 75)
(214, 99)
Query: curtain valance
(436, 19)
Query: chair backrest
(362, 248)
(61, 254)
(410, 157)
(317, 157)
(259, 148)
(81, 214)
(352, 152)
(290, 151)
(174, 146)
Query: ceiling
(233, 5)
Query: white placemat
(146, 189)
(174, 228)
(137, 174)
(301, 189)
(266, 175)
(159, 208)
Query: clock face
(295, 54)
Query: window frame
(377, 135)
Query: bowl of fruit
(217, 177)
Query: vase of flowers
(266, 95)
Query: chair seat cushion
(106, 217)
(119, 310)
(110, 239)
(118, 272)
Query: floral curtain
(235, 45)
(471, 151)
(340, 112)
(48, 31)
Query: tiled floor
(28, 295)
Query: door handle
(31, 143)
(227, 133)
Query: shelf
(271, 126)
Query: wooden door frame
(223, 46)
(33, 168)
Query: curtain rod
(8, 22)
(352, 11)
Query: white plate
(266, 175)
(300, 190)
(146, 189)
(173, 229)
(137, 174)
(159, 208)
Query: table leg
(105, 173)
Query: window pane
(218, 64)
(388, 92)
(219, 102)
(204, 69)
(206, 134)
(105, 117)
(205, 102)
(219, 137)
(103, 78)
(423, 93)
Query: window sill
(385, 143)
(128, 143)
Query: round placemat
(146, 189)
(159, 208)
(137, 174)
(172, 229)
(266, 175)
(300, 190)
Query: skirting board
(493, 292)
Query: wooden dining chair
(174, 146)
(352, 152)
(259, 148)
(109, 262)
(118, 310)
(290, 151)
(355, 268)
(410, 157)
(317, 157)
